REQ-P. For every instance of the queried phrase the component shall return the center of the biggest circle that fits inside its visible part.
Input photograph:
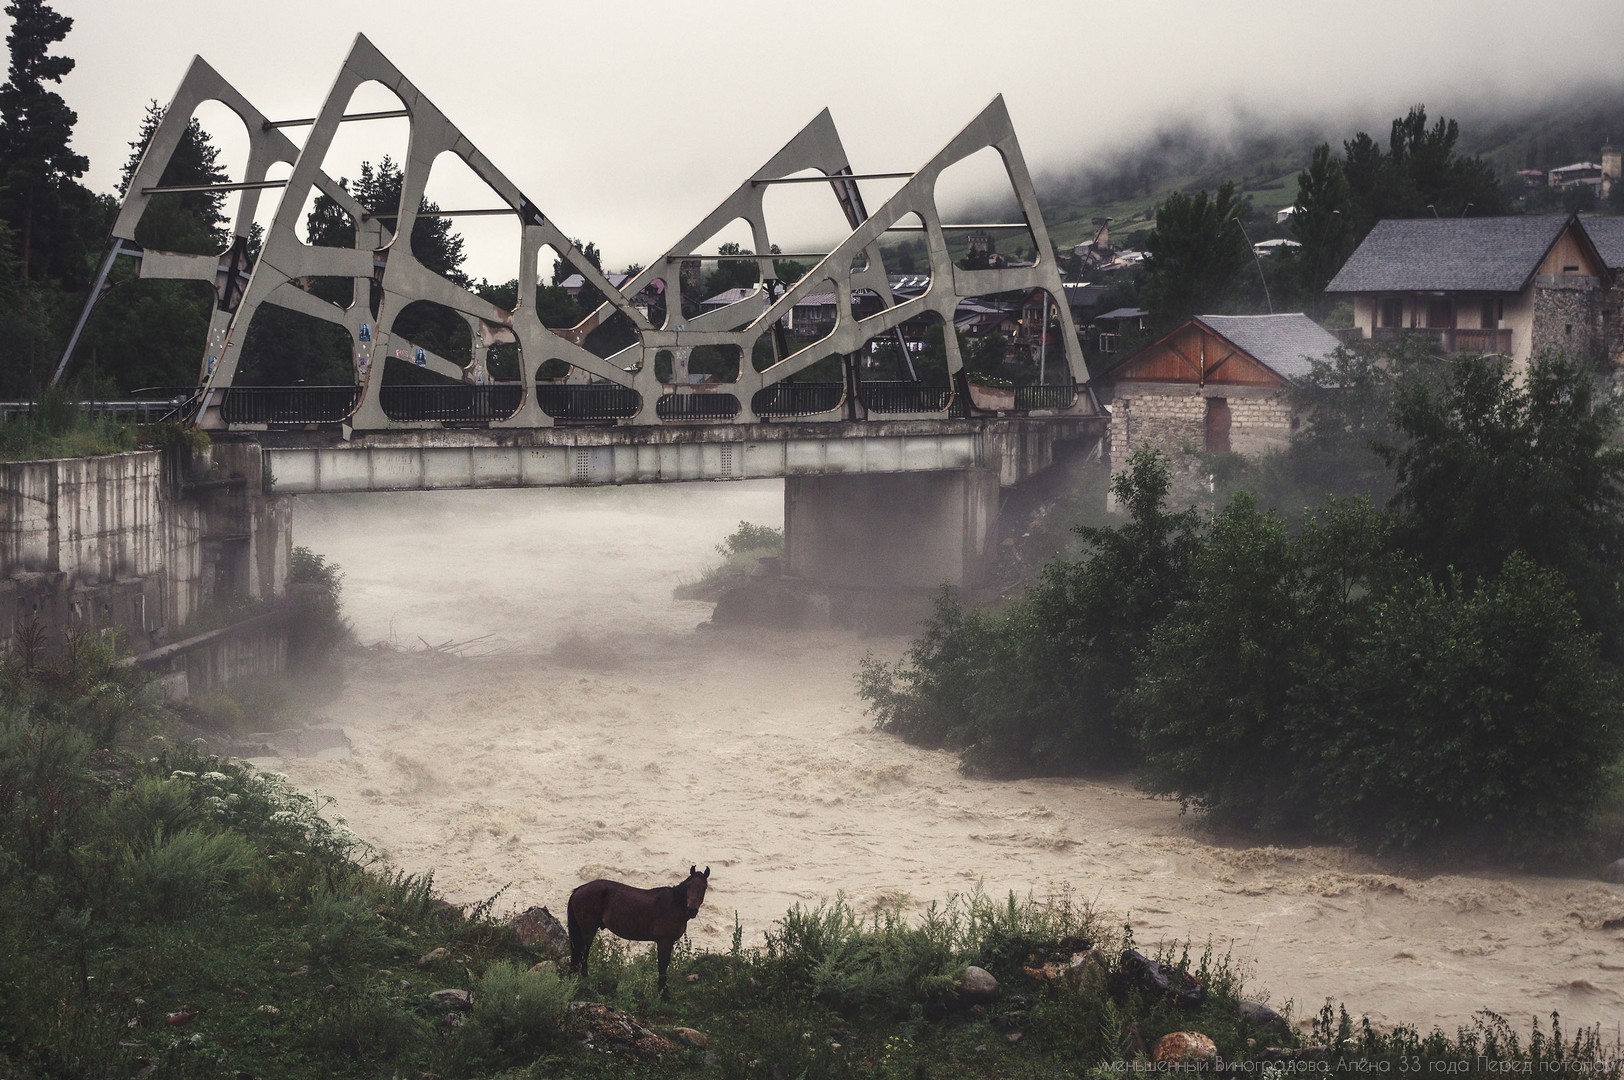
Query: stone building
(1608, 235)
(1515, 286)
(1213, 384)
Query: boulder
(433, 956)
(537, 928)
(453, 999)
(1265, 1017)
(1162, 978)
(690, 1036)
(976, 985)
(611, 1030)
(1614, 872)
(1184, 1048)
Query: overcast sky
(627, 121)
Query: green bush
(177, 876)
(1036, 687)
(319, 626)
(520, 1012)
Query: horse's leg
(663, 948)
(580, 942)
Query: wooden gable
(1573, 253)
(1194, 353)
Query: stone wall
(1567, 318)
(1172, 418)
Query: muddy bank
(604, 734)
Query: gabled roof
(1487, 254)
(1283, 343)
(1607, 233)
(1254, 350)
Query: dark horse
(657, 915)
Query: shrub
(521, 1012)
(176, 876)
(319, 627)
(1035, 687)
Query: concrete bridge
(851, 489)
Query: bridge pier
(891, 531)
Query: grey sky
(627, 121)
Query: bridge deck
(307, 463)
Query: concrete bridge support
(891, 531)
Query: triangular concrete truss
(387, 276)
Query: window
(1391, 312)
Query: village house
(1213, 384)
(1607, 233)
(1509, 285)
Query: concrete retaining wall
(135, 543)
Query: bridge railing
(904, 397)
(289, 404)
(798, 399)
(705, 406)
(588, 401)
(1053, 396)
(452, 403)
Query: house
(1509, 285)
(1110, 327)
(1580, 172)
(1608, 235)
(1212, 384)
(1269, 247)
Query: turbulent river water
(591, 726)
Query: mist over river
(593, 729)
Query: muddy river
(583, 723)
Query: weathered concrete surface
(558, 457)
(908, 532)
(137, 543)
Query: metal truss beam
(387, 277)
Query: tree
(730, 273)
(1196, 253)
(378, 189)
(1487, 465)
(193, 221)
(150, 333)
(39, 192)
(1323, 224)
(1420, 175)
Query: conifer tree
(38, 168)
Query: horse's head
(692, 890)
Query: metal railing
(798, 399)
(289, 404)
(708, 406)
(1053, 396)
(899, 397)
(452, 403)
(588, 401)
(125, 409)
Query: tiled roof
(1284, 343)
(731, 296)
(1487, 254)
(1607, 233)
